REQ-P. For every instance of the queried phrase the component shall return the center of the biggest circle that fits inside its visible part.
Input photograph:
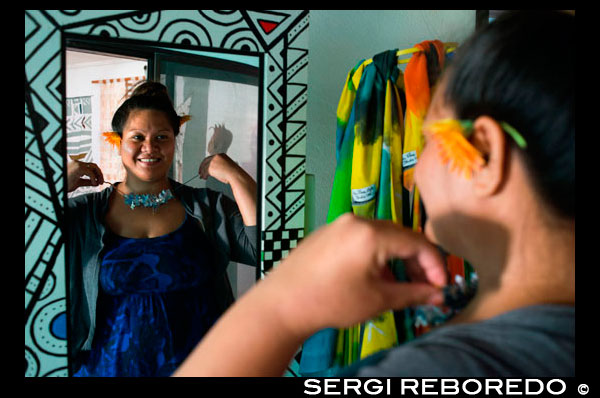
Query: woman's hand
(78, 171)
(339, 276)
(221, 167)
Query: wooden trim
(125, 79)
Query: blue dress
(155, 303)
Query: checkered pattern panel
(276, 245)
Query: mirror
(184, 49)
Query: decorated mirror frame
(280, 38)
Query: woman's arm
(224, 169)
(337, 277)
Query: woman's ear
(489, 138)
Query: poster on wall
(79, 133)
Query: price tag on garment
(409, 159)
(363, 195)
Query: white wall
(81, 74)
(338, 39)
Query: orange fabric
(418, 94)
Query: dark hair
(519, 69)
(146, 95)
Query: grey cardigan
(217, 215)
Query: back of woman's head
(146, 95)
(519, 69)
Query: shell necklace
(149, 200)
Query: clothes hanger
(449, 47)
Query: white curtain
(110, 93)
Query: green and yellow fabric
(375, 179)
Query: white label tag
(409, 159)
(363, 195)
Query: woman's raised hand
(243, 186)
(82, 174)
(220, 167)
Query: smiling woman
(147, 254)
(147, 147)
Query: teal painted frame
(280, 37)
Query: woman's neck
(535, 265)
(134, 185)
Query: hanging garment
(376, 151)
(368, 183)
(375, 182)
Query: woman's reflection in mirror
(147, 255)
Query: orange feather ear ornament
(113, 138)
(450, 135)
(183, 119)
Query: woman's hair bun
(146, 94)
(149, 88)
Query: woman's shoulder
(94, 199)
(187, 192)
(531, 323)
(87, 209)
(531, 340)
(204, 195)
(91, 196)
